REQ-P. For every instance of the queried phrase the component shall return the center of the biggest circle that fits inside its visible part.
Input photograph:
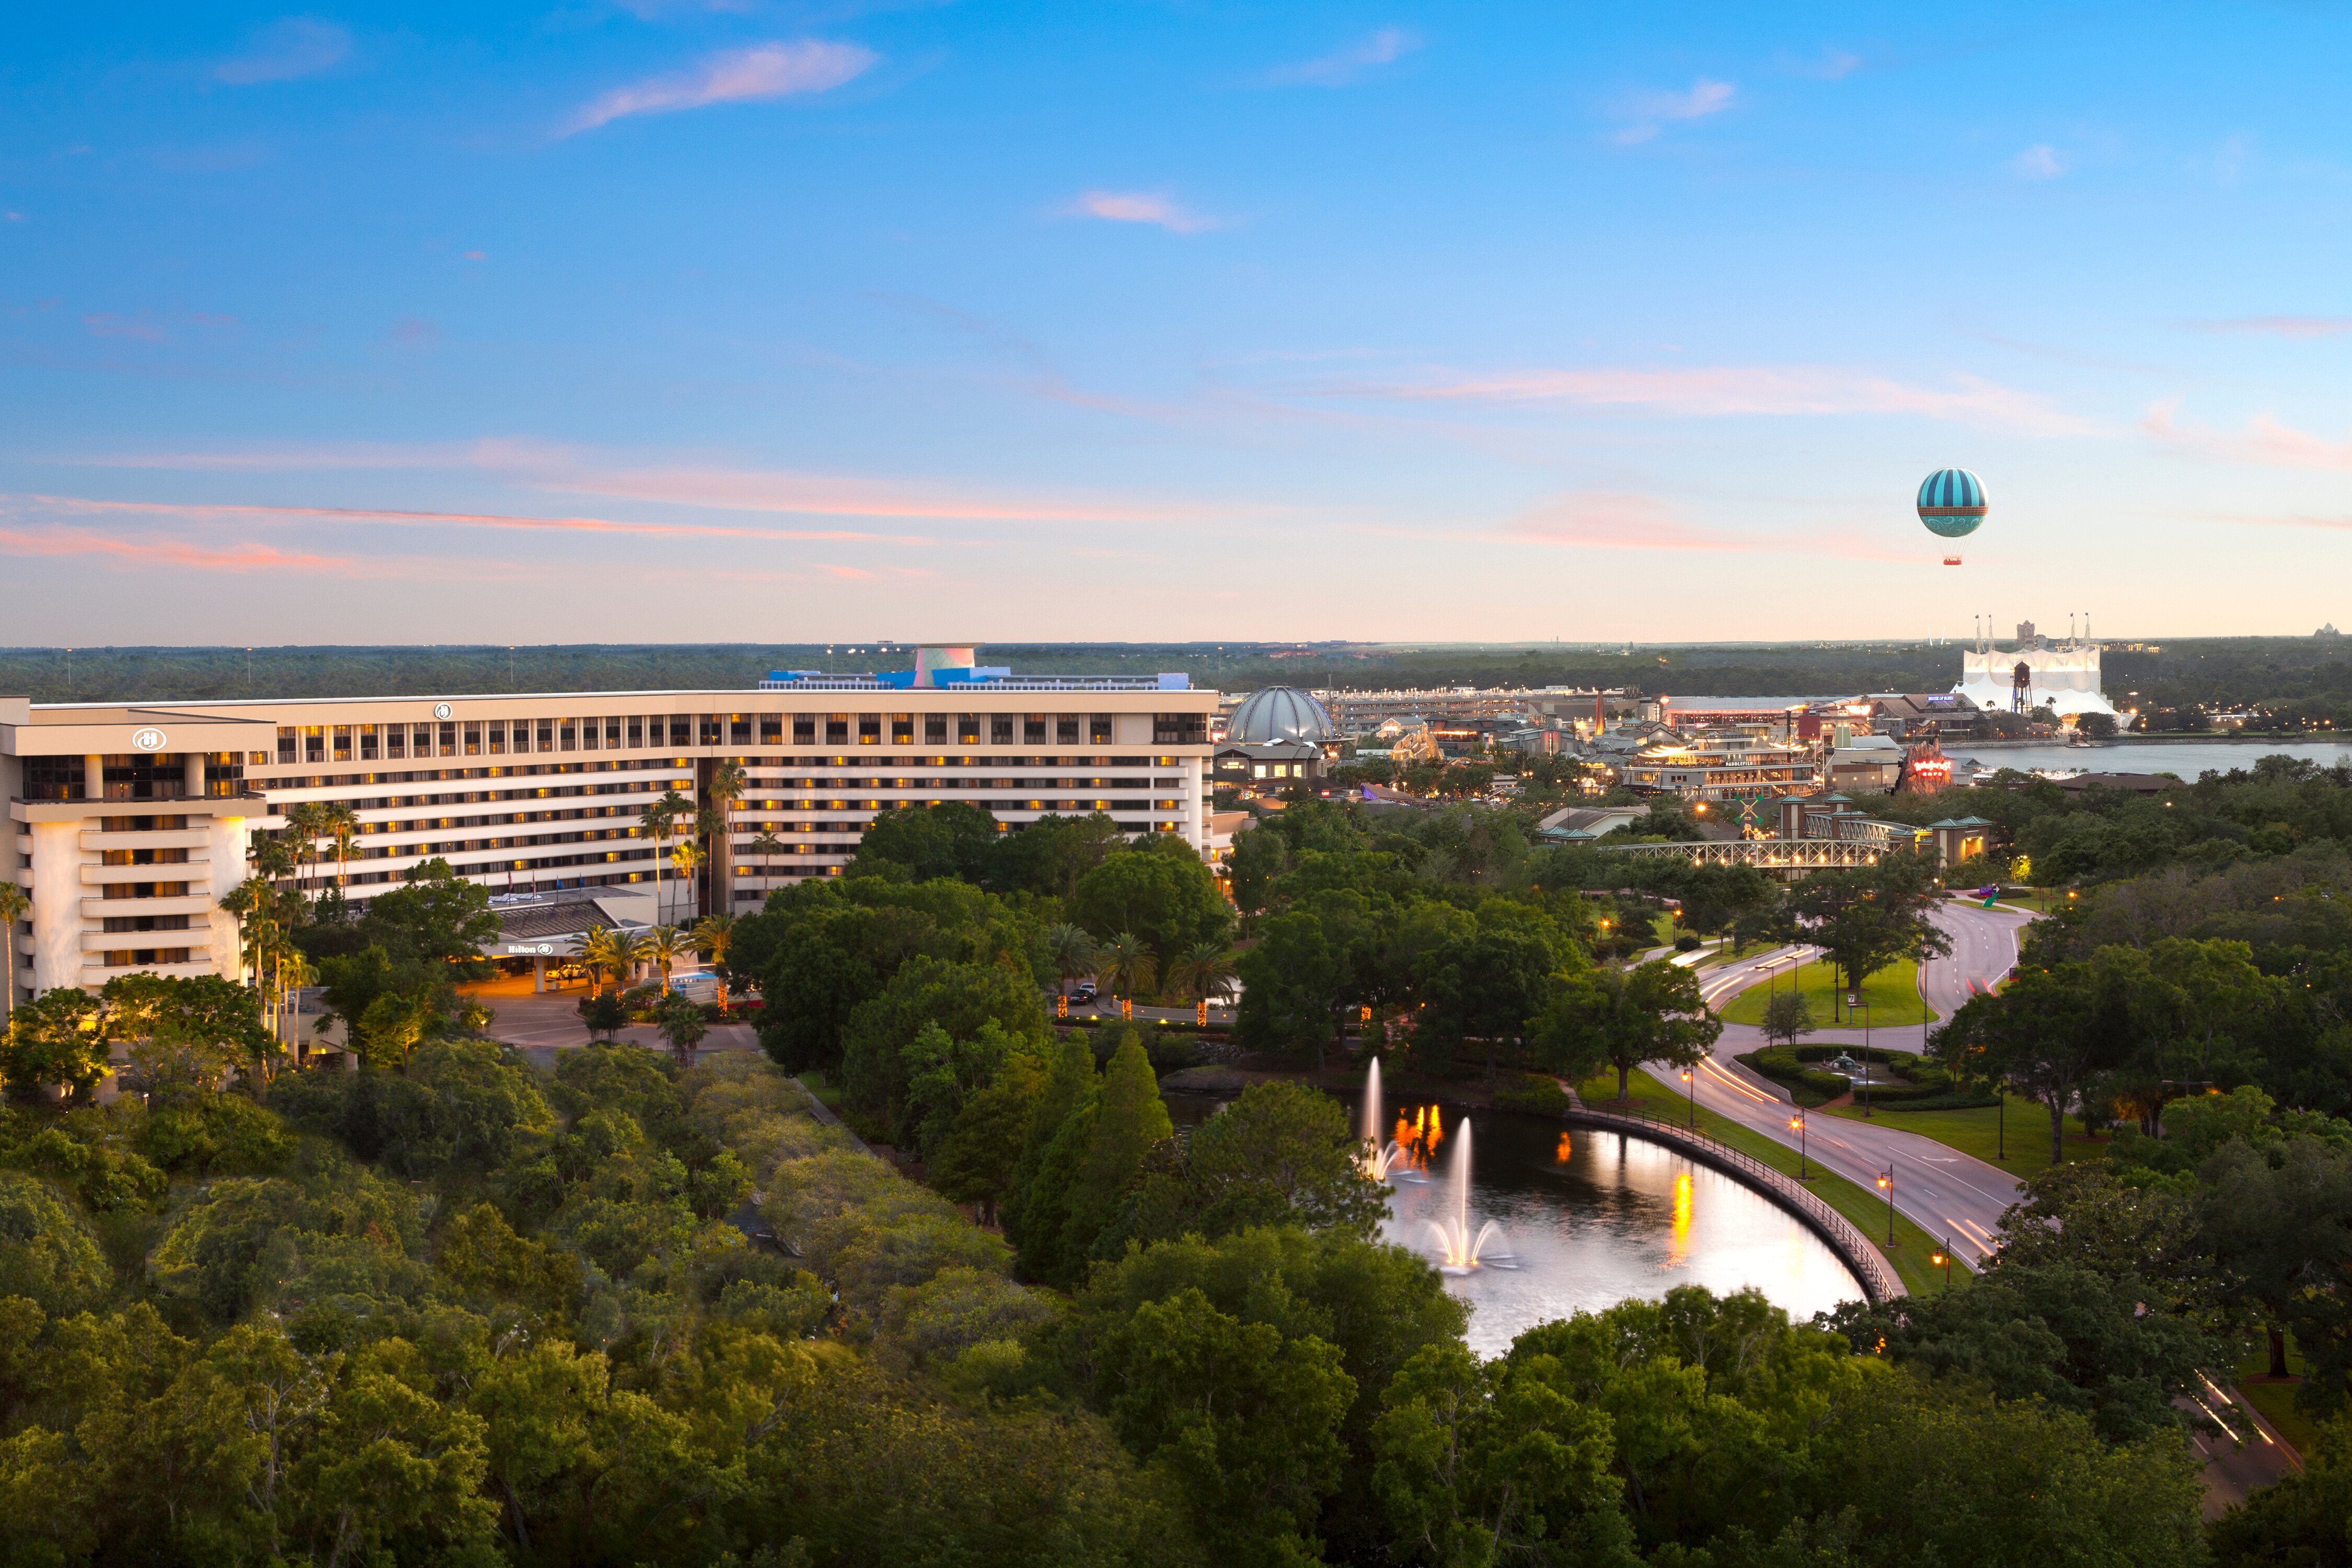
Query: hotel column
(192, 767)
(57, 904)
(93, 776)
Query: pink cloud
(2280, 326)
(2264, 442)
(1141, 206)
(471, 520)
(765, 70)
(104, 325)
(1385, 46)
(169, 552)
(1745, 390)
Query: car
(1085, 992)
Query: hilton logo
(147, 741)
(440, 710)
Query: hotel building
(131, 822)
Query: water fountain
(1379, 1158)
(1458, 1251)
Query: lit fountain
(1378, 1158)
(1458, 1251)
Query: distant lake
(2187, 757)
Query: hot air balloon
(1951, 503)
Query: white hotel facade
(131, 822)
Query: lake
(2186, 758)
(1590, 1219)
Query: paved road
(1946, 1192)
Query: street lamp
(2001, 1119)
(1690, 1087)
(1942, 1258)
(1866, 1057)
(1886, 1180)
(1797, 1125)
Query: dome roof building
(1280, 713)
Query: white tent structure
(2063, 676)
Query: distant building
(2062, 678)
(1720, 768)
(1867, 764)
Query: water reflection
(1592, 1218)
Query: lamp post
(1886, 1180)
(1942, 1258)
(1797, 1125)
(2001, 1119)
(1690, 1089)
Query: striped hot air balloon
(1951, 503)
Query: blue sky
(595, 323)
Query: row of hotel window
(501, 737)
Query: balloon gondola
(1951, 505)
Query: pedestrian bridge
(1788, 855)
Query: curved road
(1946, 1192)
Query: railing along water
(1844, 1237)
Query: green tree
(1788, 1017)
(14, 904)
(1159, 890)
(59, 1037)
(1129, 1121)
(1049, 855)
(951, 840)
(1489, 986)
(1868, 917)
(681, 1023)
(1290, 987)
(958, 998)
(1127, 964)
(1622, 1018)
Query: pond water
(2186, 758)
(1588, 1218)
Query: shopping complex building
(131, 822)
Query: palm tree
(663, 945)
(14, 902)
(1073, 952)
(305, 820)
(660, 820)
(727, 782)
(1126, 962)
(342, 825)
(629, 949)
(1206, 969)
(684, 859)
(711, 934)
(594, 950)
(767, 847)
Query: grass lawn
(1977, 1132)
(1863, 1207)
(828, 1092)
(1893, 993)
(2276, 1400)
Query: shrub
(1534, 1093)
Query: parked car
(1084, 993)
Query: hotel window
(546, 728)
(1180, 729)
(869, 729)
(343, 742)
(368, 744)
(738, 729)
(395, 741)
(612, 733)
(934, 729)
(771, 729)
(1032, 729)
(1097, 729)
(902, 729)
(498, 737)
(567, 732)
(473, 737)
(710, 729)
(803, 729)
(837, 729)
(637, 733)
(314, 743)
(285, 743)
(421, 742)
(681, 730)
(1000, 729)
(591, 731)
(1065, 730)
(449, 739)
(967, 729)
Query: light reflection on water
(1594, 1218)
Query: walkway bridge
(1788, 856)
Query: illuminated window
(869, 729)
(473, 737)
(837, 729)
(967, 729)
(902, 729)
(1099, 729)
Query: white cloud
(1731, 390)
(1385, 46)
(2039, 161)
(764, 70)
(1141, 206)
(290, 47)
(1646, 113)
